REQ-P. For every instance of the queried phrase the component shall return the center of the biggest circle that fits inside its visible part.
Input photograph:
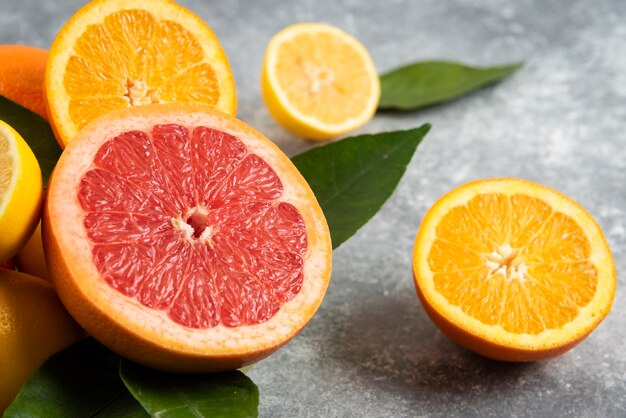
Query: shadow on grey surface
(390, 344)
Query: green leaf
(80, 381)
(431, 82)
(353, 178)
(169, 395)
(37, 133)
(124, 406)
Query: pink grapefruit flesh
(191, 223)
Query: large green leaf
(432, 82)
(353, 178)
(81, 381)
(36, 131)
(170, 395)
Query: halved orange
(319, 81)
(513, 270)
(113, 54)
(183, 239)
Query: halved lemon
(513, 270)
(319, 81)
(21, 192)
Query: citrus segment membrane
(513, 261)
(189, 221)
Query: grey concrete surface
(371, 351)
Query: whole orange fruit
(22, 70)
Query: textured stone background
(371, 350)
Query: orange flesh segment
(188, 221)
(514, 262)
(312, 70)
(134, 59)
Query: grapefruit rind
(149, 336)
(492, 340)
(94, 13)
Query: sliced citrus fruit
(513, 270)
(184, 239)
(21, 192)
(33, 326)
(113, 54)
(318, 81)
(22, 70)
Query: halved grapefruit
(183, 239)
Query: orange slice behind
(513, 270)
(113, 54)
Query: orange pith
(116, 54)
(512, 269)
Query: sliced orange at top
(513, 270)
(114, 54)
